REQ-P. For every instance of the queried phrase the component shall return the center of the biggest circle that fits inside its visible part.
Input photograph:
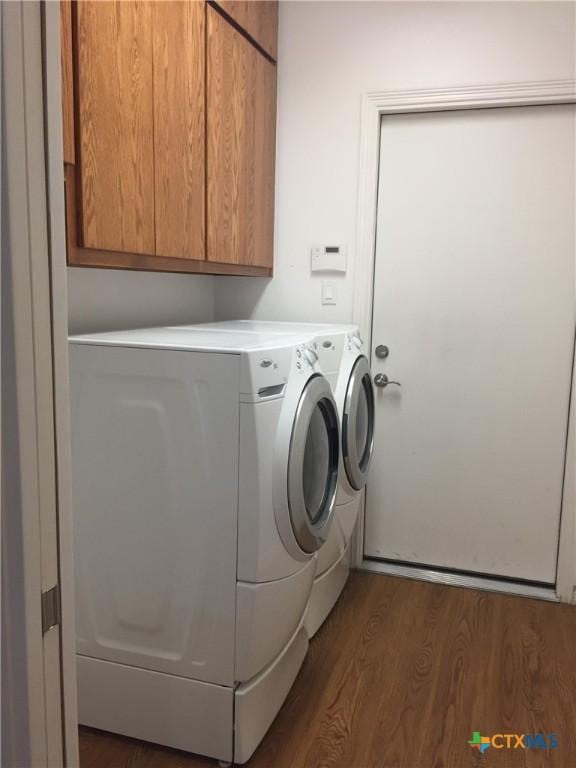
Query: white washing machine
(205, 472)
(342, 359)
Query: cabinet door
(116, 117)
(67, 81)
(179, 138)
(258, 19)
(241, 122)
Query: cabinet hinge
(50, 608)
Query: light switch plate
(328, 292)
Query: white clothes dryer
(205, 473)
(343, 361)
(324, 347)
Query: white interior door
(474, 296)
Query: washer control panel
(306, 357)
(354, 341)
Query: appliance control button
(310, 356)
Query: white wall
(329, 54)
(108, 299)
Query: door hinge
(50, 608)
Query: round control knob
(310, 356)
(357, 341)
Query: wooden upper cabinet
(169, 146)
(265, 162)
(116, 121)
(258, 18)
(241, 129)
(67, 81)
(179, 125)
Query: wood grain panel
(399, 677)
(89, 257)
(67, 80)
(258, 19)
(115, 113)
(241, 118)
(179, 139)
(264, 162)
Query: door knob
(382, 351)
(381, 380)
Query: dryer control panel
(329, 346)
(354, 341)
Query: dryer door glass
(358, 424)
(313, 465)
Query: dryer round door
(313, 465)
(358, 424)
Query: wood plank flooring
(400, 676)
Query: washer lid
(313, 465)
(358, 424)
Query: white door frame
(29, 514)
(44, 726)
(54, 158)
(374, 106)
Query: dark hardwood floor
(400, 676)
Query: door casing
(37, 254)
(35, 645)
